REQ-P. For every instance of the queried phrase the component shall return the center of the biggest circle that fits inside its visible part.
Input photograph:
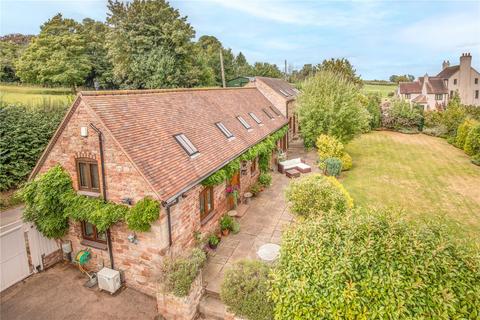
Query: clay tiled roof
(410, 87)
(435, 85)
(448, 72)
(420, 99)
(282, 87)
(144, 124)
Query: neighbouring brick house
(283, 96)
(162, 144)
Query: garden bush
(472, 142)
(403, 116)
(179, 273)
(24, 134)
(244, 290)
(265, 179)
(346, 162)
(316, 194)
(375, 265)
(462, 132)
(328, 147)
(333, 167)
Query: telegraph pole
(221, 67)
(285, 69)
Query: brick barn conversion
(125, 145)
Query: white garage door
(13, 255)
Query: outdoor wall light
(132, 238)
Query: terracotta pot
(225, 232)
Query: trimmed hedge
(244, 290)
(316, 194)
(375, 265)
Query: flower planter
(225, 232)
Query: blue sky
(379, 37)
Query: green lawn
(33, 96)
(384, 90)
(421, 174)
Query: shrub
(180, 273)
(316, 194)
(235, 227)
(333, 167)
(374, 265)
(226, 223)
(372, 103)
(403, 116)
(265, 179)
(476, 159)
(462, 132)
(244, 290)
(472, 142)
(143, 214)
(452, 117)
(329, 105)
(328, 147)
(346, 162)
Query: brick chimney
(445, 64)
(465, 62)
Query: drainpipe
(167, 206)
(104, 188)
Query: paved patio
(262, 223)
(58, 293)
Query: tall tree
(401, 78)
(11, 48)
(330, 104)
(57, 56)
(209, 48)
(342, 67)
(101, 72)
(150, 44)
(265, 69)
(242, 67)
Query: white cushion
(291, 163)
(303, 166)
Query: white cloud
(456, 32)
(307, 13)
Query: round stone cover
(269, 251)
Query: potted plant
(226, 224)
(213, 241)
(255, 189)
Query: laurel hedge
(375, 265)
(24, 132)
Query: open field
(384, 90)
(421, 174)
(33, 96)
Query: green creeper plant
(143, 214)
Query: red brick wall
(140, 262)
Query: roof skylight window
(254, 117)
(268, 113)
(284, 92)
(244, 123)
(186, 144)
(224, 129)
(275, 110)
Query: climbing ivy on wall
(51, 200)
(262, 150)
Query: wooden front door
(234, 182)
